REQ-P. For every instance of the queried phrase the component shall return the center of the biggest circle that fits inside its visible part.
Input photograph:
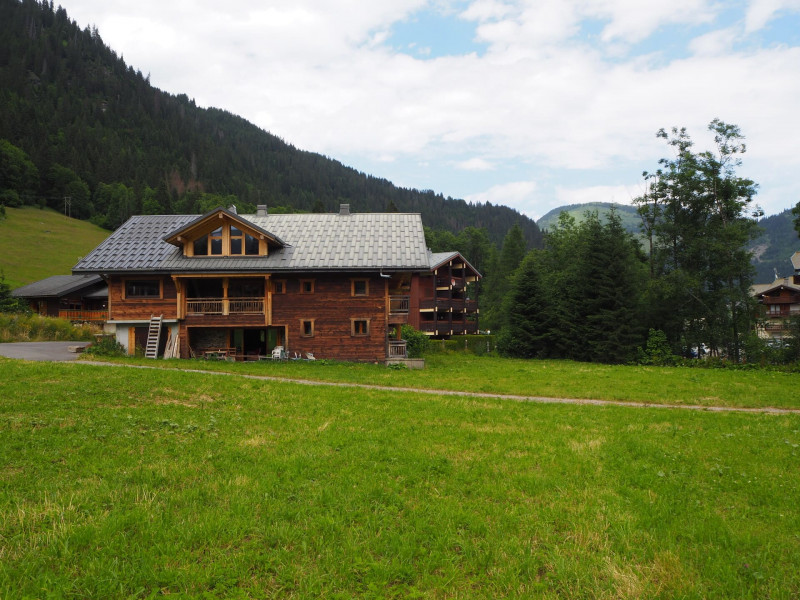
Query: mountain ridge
(70, 102)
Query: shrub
(417, 343)
(36, 328)
(107, 345)
(658, 351)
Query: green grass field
(123, 483)
(549, 378)
(36, 243)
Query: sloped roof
(314, 242)
(172, 237)
(796, 260)
(781, 282)
(57, 286)
(437, 259)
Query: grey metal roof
(57, 286)
(315, 242)
(437, 259)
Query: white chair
(277, 353)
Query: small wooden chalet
(245, 286)
(780, 300)
(78, 298)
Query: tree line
(594, 293)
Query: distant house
(781, 300)
(245, 286)
(78, 298)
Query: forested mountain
(96, 131)
(771, 251)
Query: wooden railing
(83, 316)
(224, 306)
(246, 306)
(397, 349)
(398, 304)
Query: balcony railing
(225, 306)
(83, 316)
(398, 304)
(397, 349)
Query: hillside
(630, 218)
(97, 131)
(36, 243)
(771, 251)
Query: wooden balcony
(457, 304)
(83, 316)
(398, 305)
(225, 306)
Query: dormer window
(222, 233)
(215, 242)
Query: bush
(417, 343)
(107, 345)
(658, 351)
(472, 344)
(35, 328)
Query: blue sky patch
(431, 34)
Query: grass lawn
(551, 378)
(36, 243)
(119, 483)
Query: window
(226, 240)
(237, 238)
(307, 327)
(215, 241)
(359, 287)
(359, 327)
(143, 288)
(201, 246)
(278, 286)
(774, 309)
(250, 245)
(306, 286)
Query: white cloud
(323, 76)
(761, 12)
(519, 194)
(474, 164)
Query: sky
(532, 104)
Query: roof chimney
(261, 210)
(344, 209)
(232, 208)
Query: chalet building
(780, 300)
(77, 298)
(245, 286)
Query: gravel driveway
(47, 351)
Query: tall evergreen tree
(524, 333)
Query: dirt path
(434, 392)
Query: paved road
(47, 351)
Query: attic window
(215, 241)
(226, 240)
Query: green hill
(628, 214)
(771, 251)
(87, 120)
(36, 243)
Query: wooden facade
(344, 324)
(333, 286)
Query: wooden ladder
(153, 337)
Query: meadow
(756, 388)
(37, 243)
(129, 483)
